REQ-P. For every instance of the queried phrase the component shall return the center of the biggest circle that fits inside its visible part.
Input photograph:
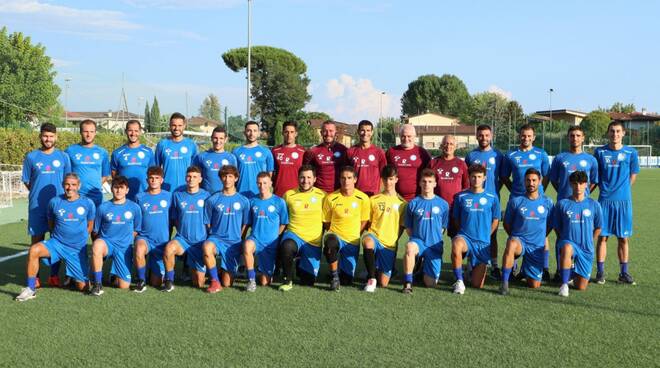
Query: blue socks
(98, 276)
(169, 275)
(506, 273)
(214, 273)
(458, 273)
(546, 259)
(252, 275)
(624, 267)
(32, 283)
(408, 278)
(600, 267)
(142, 273)
(55, 268)
(565, 275)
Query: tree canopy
(595, 126)
(444, 95)
(210, 107)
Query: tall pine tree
(147, 118)
(154, 117)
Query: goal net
(11, 186)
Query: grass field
(608, 325)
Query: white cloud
(184, 4)
(61, 63)
(500, 91)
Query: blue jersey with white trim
(156, 211)
(45, 174)
(492, 161)
(91, 164)
(70, 220)
(566, 163)
(427, 218)
(188, 213)
(576, 221)
(266, 216)
(475, 213)
(252, 161)
(133, 164)
(175, 158)
(226, 216)
(614, 170)
(517, 162)
(529, 219)
(117, 222)
(211, 162)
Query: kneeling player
(477, 215)
(117, 222)
(302, 238)
(577, 222)
(385, 228)
(70, 220)
(154, 234)
(425, 220)
(188, 218)
(527, 221)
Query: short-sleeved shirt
(368, 162)
(387, 216)
(133, 163)
(426, 218)
(175, 158)
(156, 212)
(492, 161)
(451, 177)
(287, 162)
(529, 219)
(345, 214)
(45, 174)
(188, 213)
(576, 221)
(614, 170)
(91, 164)
(476, 212)
(306, 214)
(70, 220)
(566, 163)
(117, 222)
(409, 164)
(266, 217)
(516, 163)
(252, 161)
(327, 161)
(211, 162)
(226, 215)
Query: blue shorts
(385, 257)
(75, 259)
(348, 255)
(122, 260)
(230, 254)
(432, 254)
(155, 263)
(266, 256)
(479, 252)
(37, 222)
(309, 256)
(533, 259)
(617, 218)
(582, 259)
(195, 253)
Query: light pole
(140, 99)
(550, 93)
(380, 120)
(249, 59)
(66, 101)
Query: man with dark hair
(577, 222)
(618, 166)
(345, 216)
(367, 159)
(327, 158)
(90, 162)
(253, 158)
(213, 159)
(288, 158)
(132, 160)
(175, 153)
(409, 159)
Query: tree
(621, 107)
(444, 95)
(307, 136)
(147, 118)
(595, 126)
(154, 117)
(210, 107)
(279, 83)
(27, 87)
(388, 131)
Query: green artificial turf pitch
(608, 325)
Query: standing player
(175, 153)
(302, 237)
(327, 158)
(618, 167)
(268, 217)
(226, 213)
(213, 159)
(43, 174)
(132, 160)
(477, 215)
(425, 220)
(577, 223)
(117, 222)
(90, 162)
(70, 219)
(409, 159)
(517, 161)
(367, 159)
(527, 221)
(252, 159)
(385, 228)
(188, 218)
(345, 215)
(288, 159)
(491, 159)
(154, 233)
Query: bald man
(409, 160)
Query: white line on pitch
(19, 254)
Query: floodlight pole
(249, 59)
(66, 101)
(550, 93)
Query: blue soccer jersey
(70, 220)
(91, 164)
(252, 161)
(576, 221)
(155, 216)
(226, 215)
(188, 213)
(133, 164)
(566, 163)
(427, 218)
(116, 223)
(175, 158)
(492, 161)
(476, 212)
(529, 219)
(614, 170)
(211, 162)
(517, 162)
(266, 216)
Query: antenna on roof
(123, 105)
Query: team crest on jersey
(583, 163)
(96, 156)
(413, 157)
(337, 154)
(621, 156)
(225, 162)
(454, 170)
(128, 215)
(294, 155)
(354, 204)
(184, 149)
(271, 208)
(435, 210)
(540, 209)
(372, 157)
(200, 203)
(395, 206)
(141, 155)
(491, 160)
(57, 163)
(80, 210)
(313, 199)
(163, 203)
(483, 201)
(586, 212)
(532, 157)
(237, 206)
(257, 154)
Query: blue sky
(592, 53)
